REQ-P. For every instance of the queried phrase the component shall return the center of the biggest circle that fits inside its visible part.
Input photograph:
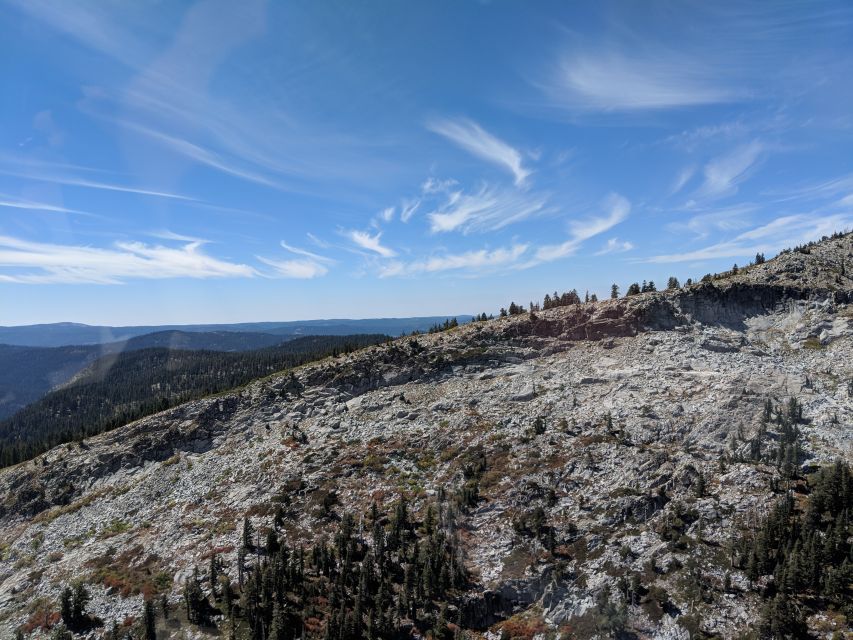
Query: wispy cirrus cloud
(690, 139)
(615, 245)
(471, 137)
(308, 265)
(779, 233)
(27, 262)
(618, 208)
(364, 240)
(11, 202)
(722, 175)
(682, 179)
(840, 186)
(613, 79)
(723, 220)
(74, 181)
(477, 261)
(203, 155)
(408, 208)
(521, 255)
(171, 99)
(489, 208)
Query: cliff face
(602, 415)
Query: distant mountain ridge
(70, 333)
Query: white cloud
(387, 214)
(613, 80)
(24, 261)
(317, 241)
(478, 142)
(690, 139)
(488, 209)
(479, 261)
(11, 202)
(779, 233)
(408, 209)
(826, 189)
(73, 181)
(723, 174)
(682, 179)
(166, 234)
(434, 185)
(729, 219)
(485, 260)
(370, 243)
(304, 253)
(308, 265)
(172, 95)
(301, 269)
(614, 245)
(618, 209)
(201, 155)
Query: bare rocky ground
(637, 396)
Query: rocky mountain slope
(613, 444)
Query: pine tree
(248, 532)
(227, 594)
(272, 542)
(440, 629)
(241, 564)
(213, 575)
(148, 618)
(277, 629)
(196, 604)
(81, 599)
(66, 607)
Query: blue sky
(210, 161)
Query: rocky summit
(653, 466)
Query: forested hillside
(209, 340)
(27, 373)
(123, 387)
